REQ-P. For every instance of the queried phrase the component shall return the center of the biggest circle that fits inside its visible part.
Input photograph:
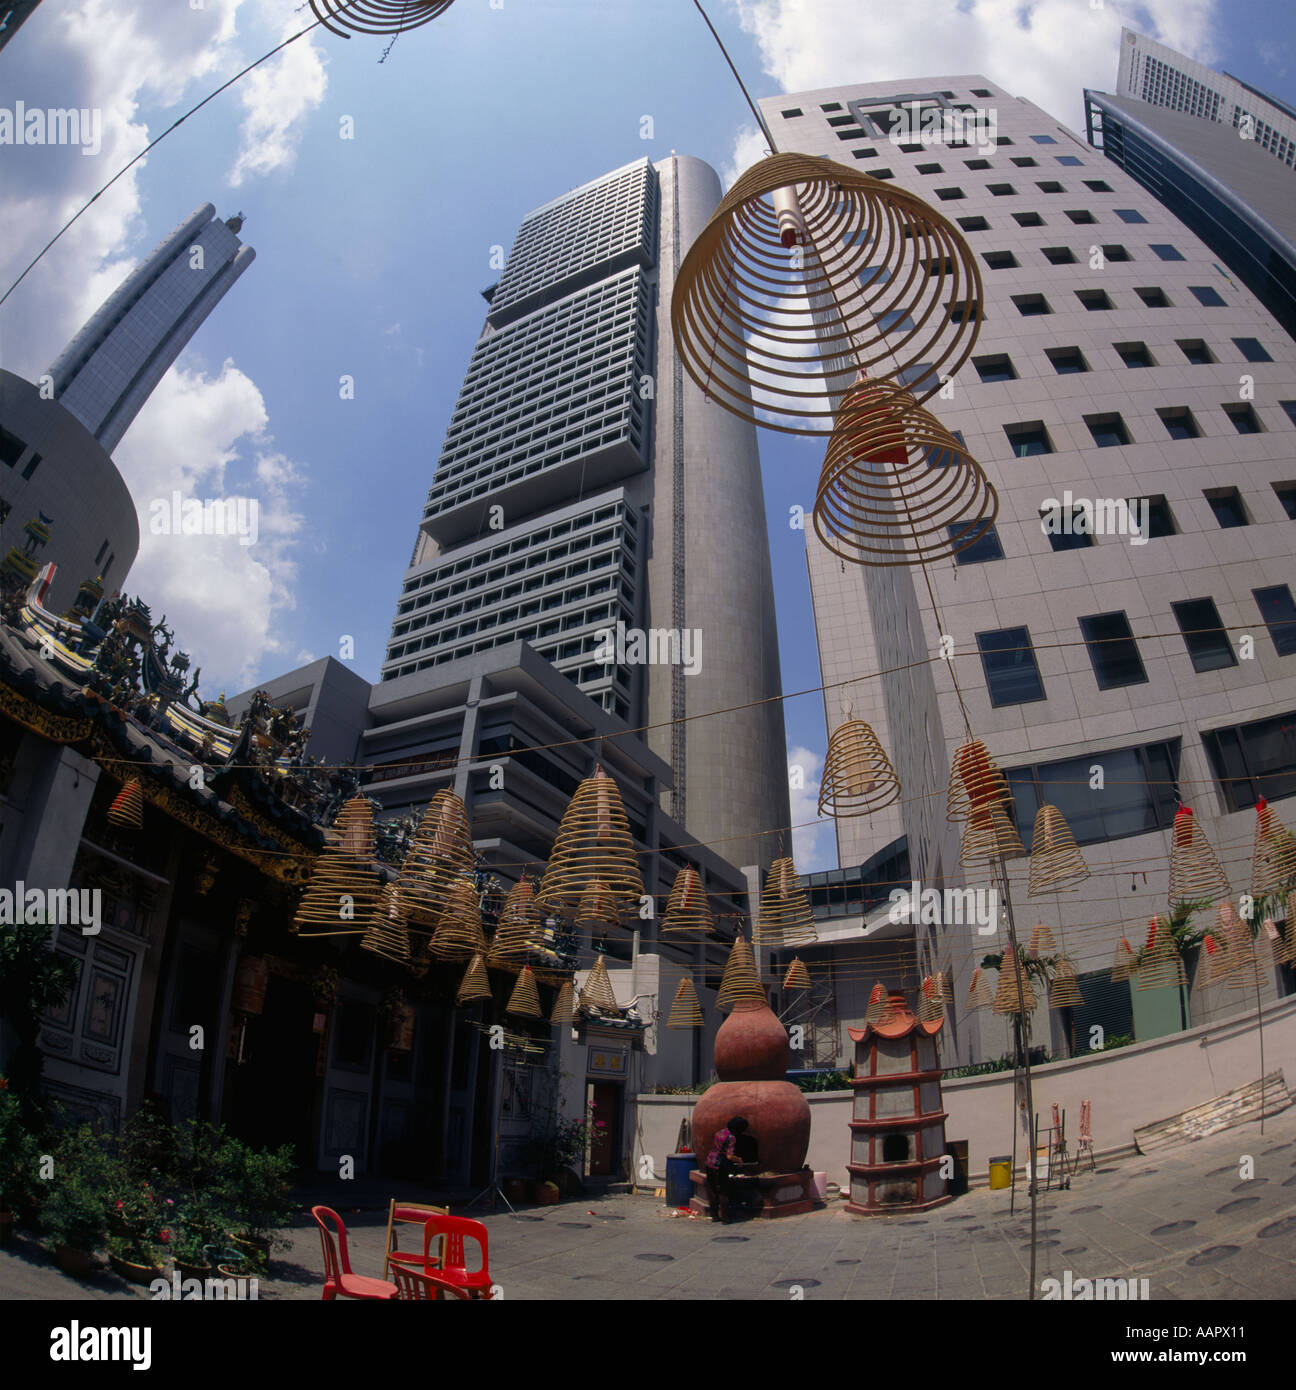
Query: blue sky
(372, 251)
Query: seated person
(722, 1162)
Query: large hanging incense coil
(387, 933)
(1161, 965)
(564, 1009)
(1123, 965)
(597, 992)
(352, 833)
(858, 778)
(976, 783)
(1056, 864)
(1008, 998)
(593, 843)
(127, 809)
(597, 907)
(797, 977)
(1194, 870)
(475, 983)
(896, 487)
(685, 1011)
(1064, 988)
(441, 853)
(1286, 950)
(979, 996)
(1212, 965)
(809, 270)
(1042, 941)
(344, 887)
(1273, 861)
(931, 1008)
(345, 17)
(525, 999)
(1247, 957)
(518, 931)
(877, 1004)
(785, 917)
(740, 983)
(990, 835)
(458, 934)
(945, 986)
(688, 910)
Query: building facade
(1109, 674)
(13, 13)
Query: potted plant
(253, 1187)
(198, 1223)
(19, 1156)
(139, 1229)
(74, 1218)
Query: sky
(377, 186)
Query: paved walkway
(1184, 1219)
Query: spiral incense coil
(525, 999)
(785, 917)
(979, 996)
(797, 977)
(976, 783)
(458, 934)
(597, 908)
(376, 16)
(1211, 966)
(564, 1009)
(1273, 862)
(1161, 966)
(387, 933)
(740, 985)
(127, 809)
(1194, 870)
(945, 986)
(1123, 965)
(688, 910)
(809, 270)
(1008, 999)
(475, 983)
(858, 778)
(1056, 864)
(1064, 987)
(597, 992)
(877, 1003)
(593, 844)
(352, 833)
(931, 1008)
(441, 853)
(896, 487)
(1248, 956)
(1285, 951)
(1042, 942)
(344, 888)
(989, 835)
(520, 926)
(685, 1011)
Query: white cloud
(277, 98)
(813, 846)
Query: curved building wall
(51, 464)
(713, 577)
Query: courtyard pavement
(1184, 1218)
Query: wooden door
(605, 1096)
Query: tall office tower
(106, 373)
(12, 15)
(589, 502)
(1107, 673)
(1151, 72)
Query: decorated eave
(235, 807)
(898, 1021)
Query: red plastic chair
(454, 1270)
(419, 1284)
(338, 1279)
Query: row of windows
(1153, 297)
(1063, 255)
(1031, 437)
(1013, 676)
(1069, 360)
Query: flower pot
(188, 1271)
(78, 1263)
(515, 1190)
(255, 1251)
(241, 1277)
(135, 1273)
(544, 1194)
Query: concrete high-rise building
(12, 15)
(589, 502)
(106, 373)
(1154, 73)
(1109, 674)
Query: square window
(1129, 215)
(1069, 159)
(1179, 423)
(874, 275)
(945, 458)
(1097, 185)
(1290, 408)
(950, 195)
(1068, 528)
(1153, 516)
(961, 309)
(981, 92)
(881, 174)
(1286, 493)
(865, 153)
(930, 168)
(1028, 219)
(1279, 614)
(1059, 255)
(1195, 351)
(895, 321)
(977, 163)
(999, 260)
(1030, 304)
(1001, 190)
(1134, 354)
(985, 547)
(837, 121)
(1028, 438)
(1108, 430)
(1002, 140)
(1094, 299)
(1112, 650)
(795, 111)
(1207, 295)
(1081, 216)
(1245, 420)
(1116, 252)
(1154, 297)
(831, 106)
(1166, 252)
(1025, 161)
(1226, 503)
(996, 368)
(1050, 186)
(1011, 673)
(1204, 635)
(914, 148)
(1066, 360)
(1044, 139)
(1251, 349)
(974, 224)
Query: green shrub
(75, 1211)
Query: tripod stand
(493, 1189)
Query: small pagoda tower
(898, 1129)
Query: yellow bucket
(1001, 1172)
